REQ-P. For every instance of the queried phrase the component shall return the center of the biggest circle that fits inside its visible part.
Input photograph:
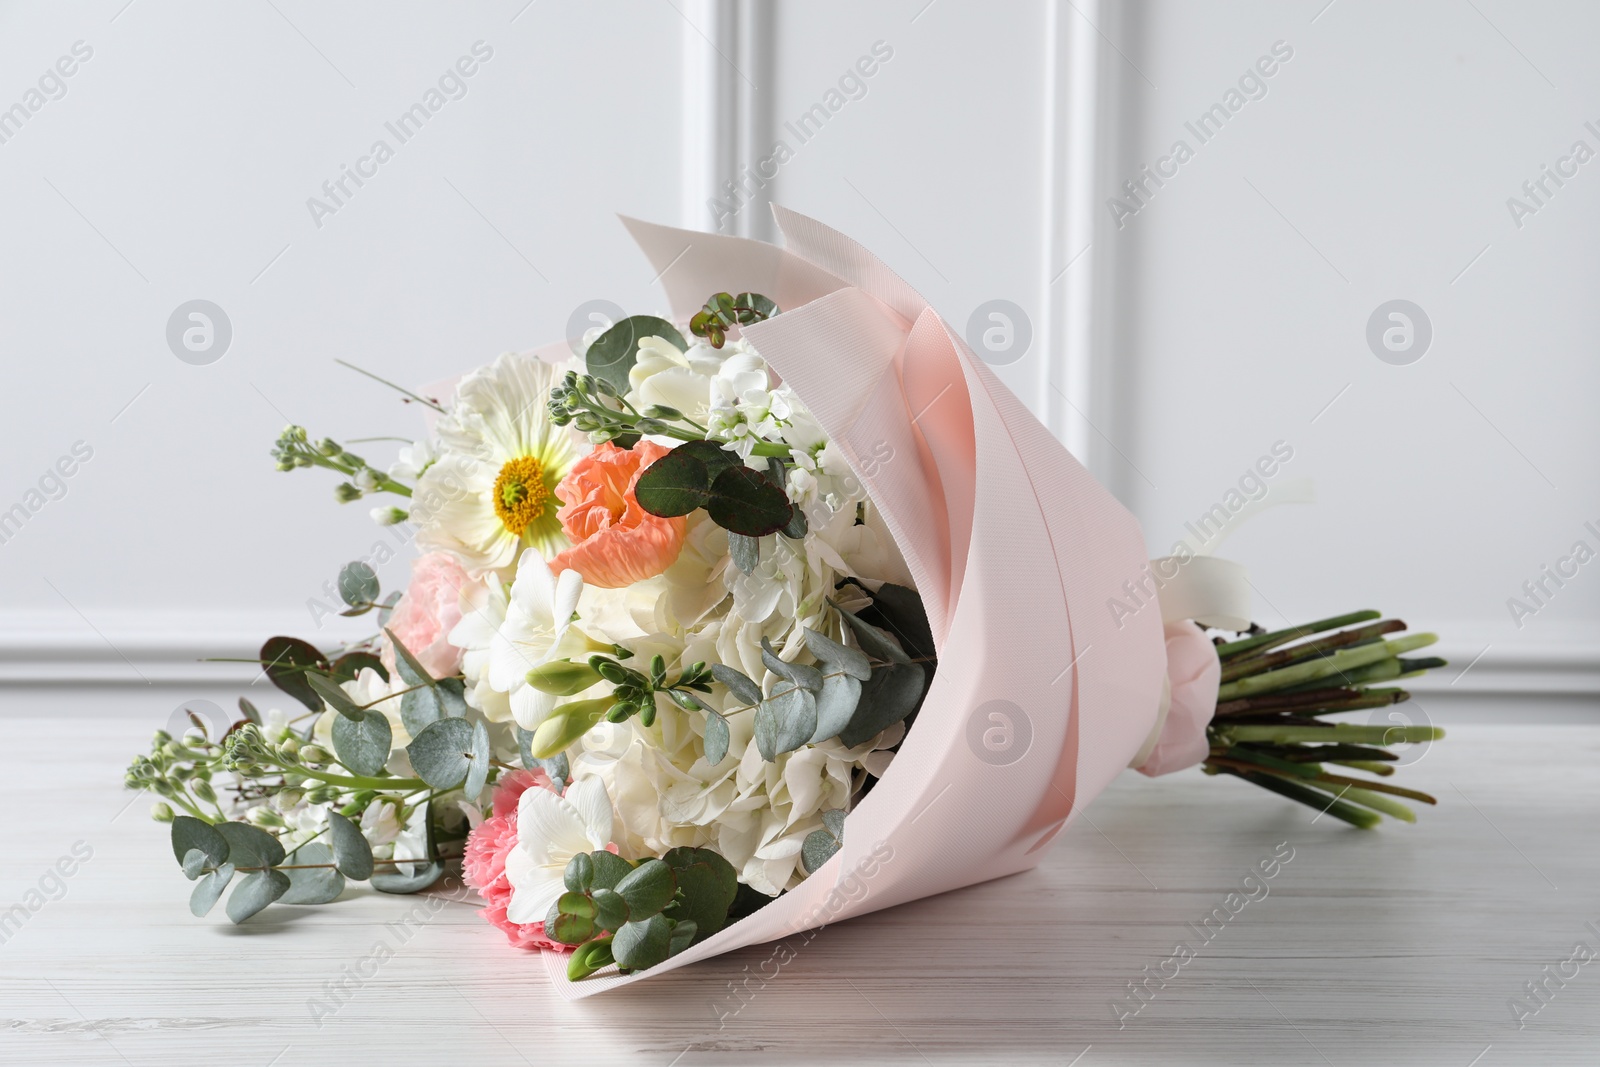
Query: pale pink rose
(426, 614)
(615, 542)
(484, 865)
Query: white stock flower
(551, 830)
(492, 489)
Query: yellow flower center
(520, 494)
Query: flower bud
(344, 492)
(661, 411)
(565, 725)
(203, 790)
(366, 479)
(563, 678)
(390, 516)
(314, 755)
(161, 812)
(328, 447)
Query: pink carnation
(430, 609)
(484, 866)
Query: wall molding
(167, 648)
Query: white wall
(977, 159)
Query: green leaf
(189, 833)
(208, 890)
(579, 904)
(836, 705)
(796, 530)
(248, 710)
(363, 744)
(745, 501)
(716, 739)
(673, 485)
(716, 458)
(285, 660)
(801, 674)
(420, 709)
(892, 693)
(874, 641)
(647, 888)
(312, 885)
(250, 846)
(579, 875)
(642, 944)
(708, 885)
(609, 869)
(833, 819)
(743, 688)
(411, 672)
(358, 584)
(335, 697)
(478, 772)
(763, 306)
(399, 882)
(614, 352)
(452, 693)
(442, 754)
(351, 664)
(611, 909)
(785, 721)
(568, 929)
(745, 551)
(256, 891)
(351, 851)
(899, 611)
(819, 847)
(683, 935)
(836, 657)
(194, 864)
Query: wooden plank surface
(1401, 946)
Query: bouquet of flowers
(775, 611)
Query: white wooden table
(1401, 946)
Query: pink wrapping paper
(1042, 694)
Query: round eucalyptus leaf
(609, 869)
(747, 502)
(209, 889)
(194, 864)
(250, 846)
(285, 660)
(579, 875)
(647, 888)
(614, 352)
(442, 753)
(819, 847)
(683, 935)
(716, 739)
(411, 671)
(397, 881)
(363, 744)
(189, 833)
(568, 929)
(611, 910)
(351, 851)
(421, 708)
(642, 943)
(358, 584)
(673, 485)
(254, 892)
(785, 721)
(744, 689)
(309, 884)
(481, 753)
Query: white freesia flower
(537, 628)
(379, 823)
(551, 830)
(492, 488)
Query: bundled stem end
(1276, 688)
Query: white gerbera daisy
(492, 490)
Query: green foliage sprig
(637, 915)
(725, 311)
(294, 450)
